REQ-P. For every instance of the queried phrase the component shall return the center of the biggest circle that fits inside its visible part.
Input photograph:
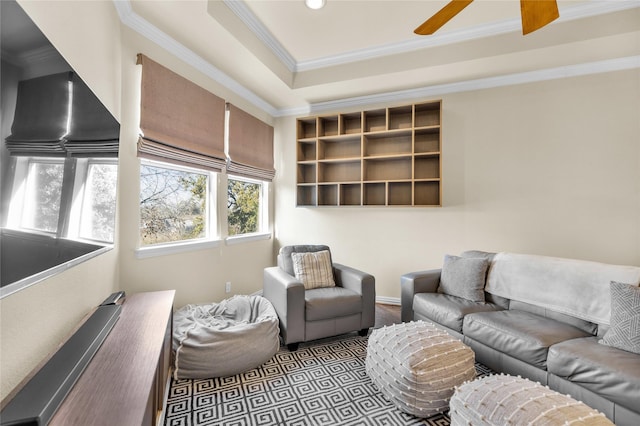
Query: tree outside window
(42, 200)
(173, 204)
(244, 206)
(97, 221)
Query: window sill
(173, 248)
(36, 278)
(248, 237)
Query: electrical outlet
(227, 287)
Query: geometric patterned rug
(323, 383)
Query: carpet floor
(323, 383)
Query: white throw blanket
(574, 287)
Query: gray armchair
(319, 312)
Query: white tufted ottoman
(508, 400)
(417, 365)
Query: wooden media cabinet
(126, 381)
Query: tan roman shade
(250, 146)
(181, 122)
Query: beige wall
(550, 168)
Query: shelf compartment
(427, 140)
(400, 117)
(306, 195)
(375, 120)
(306, 173)
(328, 126)
(374, 194)
(351, 123)
(339, 171)
(398, 168)
(350, 194)
(399, 193)
(427, 167)
(306, 151)
(387, 144)
(307, 128)
(427, 193)
(343, 147)
(327, 195)
(427, 114)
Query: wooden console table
(126, 381)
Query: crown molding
(146, 29)
(262, 33)
(143, 27)
(32, 56)
(243, 12)
(610, 65)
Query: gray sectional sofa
(547, 319)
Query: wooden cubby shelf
(380, 157)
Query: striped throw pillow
(313, 269)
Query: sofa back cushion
(583, 325)
(572, 287)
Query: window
(174, 203)
(70, 198)
(98, 206)
(41, 209)
(246, 206)
(186, 126)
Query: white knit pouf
(507, 400)
(417, 365)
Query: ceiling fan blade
(441, 17)
(537, 13)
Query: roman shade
(181, 123)
(40, 120)
(93, 131)
(250, 146)
(58, 115)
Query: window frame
(212, 228)
(19, 199)
(217, 216)
(75, 170)
(264, 232)
(79, 195)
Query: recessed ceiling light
(314, 4)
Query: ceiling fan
(535, 15)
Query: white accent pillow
(313, 269)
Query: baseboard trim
(388, 300)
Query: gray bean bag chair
(223, 339)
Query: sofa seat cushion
(610, 372)
(331, 302)
(520, 334)
(448, 310)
